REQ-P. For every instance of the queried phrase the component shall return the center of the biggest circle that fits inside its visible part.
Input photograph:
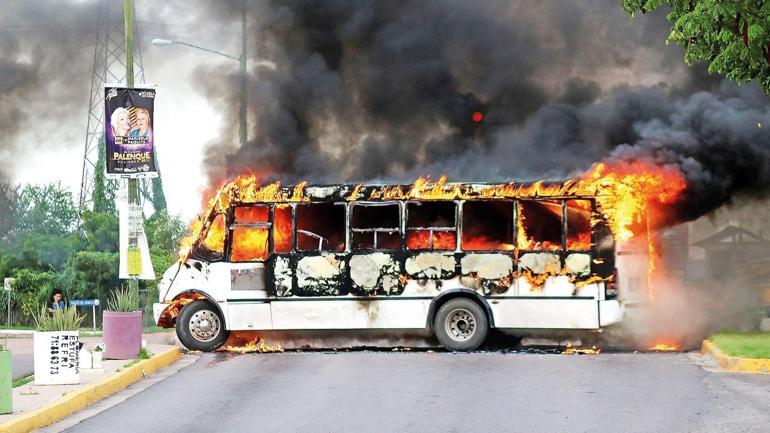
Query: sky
(185, 120)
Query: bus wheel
(461, 325)
(200, 326)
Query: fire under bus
(453, 258)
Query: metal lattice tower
(110, 68)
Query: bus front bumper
(157, 312)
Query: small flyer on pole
(135, 260)
(128, 132)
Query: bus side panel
(248, 315)
(545, 313)
(320, 275)
(350, 314)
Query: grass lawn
(753, 344)
(23, 381)
(18, 328)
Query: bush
(123, 300)
(60, 320)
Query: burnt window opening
(487, 225)
(579, 225)
(321, 227)
(251, 228)
(282, 228)
(539, 225)
(212, 247)
(375, 226)
(252, 214)
(431, 225)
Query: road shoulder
(733, 363)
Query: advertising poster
(128, 132)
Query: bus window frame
(234, 224)
(398, 229)
(563, 216)
(293, 246)
(514, 216)
(456, 230)
(592, 211)
(298, 231)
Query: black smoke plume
(378, 90)
(46, 54)
(386, 91)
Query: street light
(241, 59)
(162, 42)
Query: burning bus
(454, 258)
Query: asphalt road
(444, 392)
(22, 365)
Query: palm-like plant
(66, 319)
(123, 300)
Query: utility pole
(241, 59)
(133, 190)
(244, 94)
(109, 68)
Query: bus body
(357, 257)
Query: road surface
(444, 392)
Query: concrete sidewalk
(35, 406)
(21, 347)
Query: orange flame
(624, 191)
(420, 240)
(282, 232)
(665, 346)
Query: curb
(89, 394)
(733, 363)
(16, 333)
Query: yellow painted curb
(75, 400)
(734, 363)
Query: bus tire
(461, 325)
(200, 326)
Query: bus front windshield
(212, 245)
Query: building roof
(732, 236)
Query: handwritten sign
(64, 354)
(57, 358)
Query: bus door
(249, 247)
(319, 269)
(282, 261)
(375, 242)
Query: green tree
(47, 209)
(731, 36)
(103, 195)
(163, 235)
(95, 272)
(8, 204)
(31, 290)
(99, 231)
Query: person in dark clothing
(57, 301)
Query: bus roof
(244, 191)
